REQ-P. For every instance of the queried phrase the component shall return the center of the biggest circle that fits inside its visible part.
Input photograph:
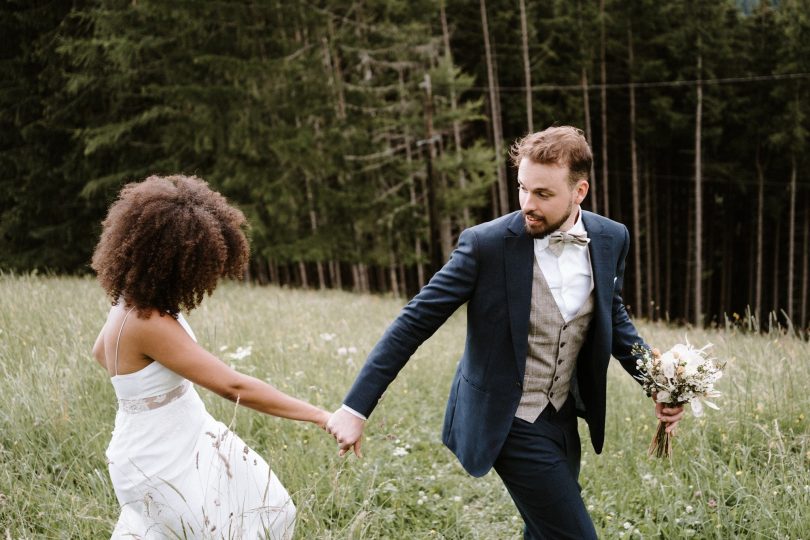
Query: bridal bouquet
(681, 375)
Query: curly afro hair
(166, 242)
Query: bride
(178, 472)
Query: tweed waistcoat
(553, 349)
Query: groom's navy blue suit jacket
(491, 271)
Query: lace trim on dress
(135, 406)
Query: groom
(544, 314)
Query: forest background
(360, 137)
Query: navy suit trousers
(539, 464)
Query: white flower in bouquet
(683, 374)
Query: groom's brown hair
(557, 145)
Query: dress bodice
(153, 380)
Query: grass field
(741, 472)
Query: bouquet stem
(661, 444)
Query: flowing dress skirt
(179, 473)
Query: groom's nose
(527, 203)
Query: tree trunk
(313, 226)
(527, 70)
(589, 136)
(603, 99)
(360, 277)
(759, 248)
(285, 274)
(791, 238)
(434, 221)
(805, 262)
(392, 268)
(698, 306)
(302, 275)
(333, 273)
(272, 269)
(403, 282)
(365, 275)
(495, 109)
(462, 178)
(651, 247)
(337, 74)
(775, 280)
(355, 277)
(668, 255)
(634, 171)
(417, 243)
(730, 255)
(688, 286)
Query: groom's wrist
(353, 412)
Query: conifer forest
(360, 137)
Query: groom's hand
(347, 429)
(670, 414)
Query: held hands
(347, 429)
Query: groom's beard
(543, 228)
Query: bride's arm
(98, 348)
(164, 340)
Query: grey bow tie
(558, 239)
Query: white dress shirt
(569, 275)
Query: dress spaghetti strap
(118, 340)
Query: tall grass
(742, 472)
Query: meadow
(741, 472)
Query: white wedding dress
(179, 473)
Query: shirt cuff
(352, 411)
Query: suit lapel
(518, 260)
(599, 250)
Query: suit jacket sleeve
(449, 288)
(625, 334)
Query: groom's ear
(581, 190)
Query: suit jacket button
(517, 384)
(559, 362)
(562, 344)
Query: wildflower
(328, 337)
(241, 352)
